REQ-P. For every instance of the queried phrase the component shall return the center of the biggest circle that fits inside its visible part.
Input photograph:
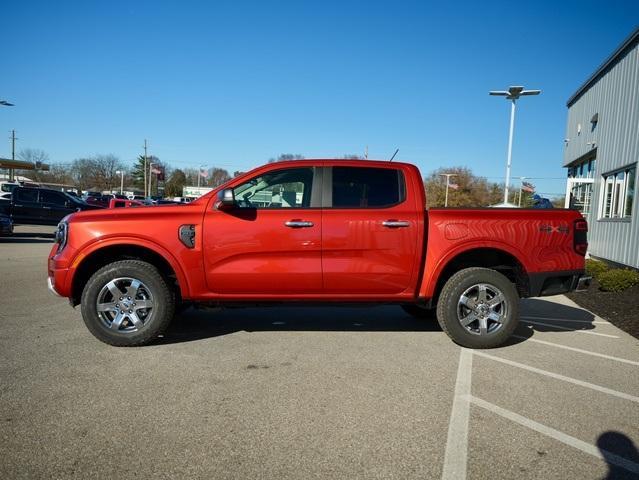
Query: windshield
(75, 200)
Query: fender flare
(88, 249)
(429, 282)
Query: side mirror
(226, 198)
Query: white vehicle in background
(191, 193)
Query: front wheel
(478, 308)
(127, 303)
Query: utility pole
(13, 144)
(121, 173)
(447, 175)
(13, 153)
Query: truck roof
(345, 161)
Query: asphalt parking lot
(308, 393)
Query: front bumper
(542, 284)
(51, 287)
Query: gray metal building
(601, 153)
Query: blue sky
(232, 84)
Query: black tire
(450, 307)
(418, 311)
(129, 335)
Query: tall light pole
(121, 173)
(145, 168)
(513, 95)
(521, 186)
(4, 103)
(150, 176)
(447, 175)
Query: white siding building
(601, 153)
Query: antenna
(391, 159)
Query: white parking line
(552, 319)
(457, 443)
(581, 383)
(534, 322)
(557, 435)
(587, 352)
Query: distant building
(601, 153)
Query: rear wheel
(418, 311)
(478, 308)
(127, 303)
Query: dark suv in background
(41, 206)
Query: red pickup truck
(326, 231)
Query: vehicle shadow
(546, 316)
(195, 324)
(621, 455)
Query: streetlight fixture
(447, 175)
(4, 103)
(121, 173)
(513, 95)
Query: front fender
(98, 244)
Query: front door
(56, 204)
(370, 232)
(26, 207)
(269, 243)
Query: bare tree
(105, 168)
(470, 191)
(283, 157)
(37, 157)
(218, 176)
(175, 184)
(97, 172)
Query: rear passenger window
(358, 187)
(27, 195)
(52, 197)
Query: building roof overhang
(627, 45)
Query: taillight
(580, 238)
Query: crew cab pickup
(40, 206)
(320, 231)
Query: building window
(581, 197)
(618, 193)
(584, 169)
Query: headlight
(61, 235)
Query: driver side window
(285, 188)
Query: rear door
(26, 207)
(369, 232)
(56, 205)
